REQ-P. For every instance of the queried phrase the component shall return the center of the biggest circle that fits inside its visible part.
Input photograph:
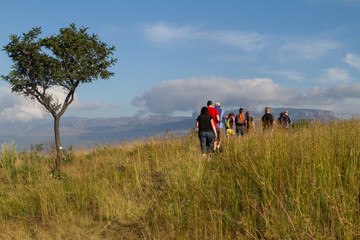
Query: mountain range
(85, 132)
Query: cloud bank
(191, 94)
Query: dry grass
(302, 184)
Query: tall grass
(298, 184)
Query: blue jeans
(206, 139)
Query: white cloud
(193, 93)
(308, 49)
(16, 108)
(335, 75)
(161, 33)
(353, 60)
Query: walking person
(213, 112)
(285, 120)
(220, 126)
(267, 121)
(250, 124)
(207, 131)
(229, 126)
(278, 120)
(240, 123)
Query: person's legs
(243, 131)
(227, 136)
(215, 140)
(220, 133)
(203, 142)
(209, 140)
(238, 133)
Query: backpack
(267, 120)
(240, 119)
(284, 121)
(227, 123)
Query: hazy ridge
(86, 132)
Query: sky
(174, 56)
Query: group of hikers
(212, 125)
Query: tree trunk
(57, 143)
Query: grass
(301, 184)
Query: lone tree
(65, 60)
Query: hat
(217, 104)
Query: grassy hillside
(302, 184)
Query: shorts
(241, 130)
(230, 132)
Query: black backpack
(284, 120)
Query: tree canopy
(66, 60)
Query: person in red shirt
(214, 113)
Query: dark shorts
(241, 131)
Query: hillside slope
(302, 184)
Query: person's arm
(213, 127)
(274, 123)
(197, 124)
(217, 116)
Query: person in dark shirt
(285, 120)
(267, 120)
(207, 131)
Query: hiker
(240, 123)
(229, 126)
(250, 124)
(285, 120)
(220, 129)
(267, 121)
(213, 112)
(278, 120)
(207, 131)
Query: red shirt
(213, 112)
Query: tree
(65, 60)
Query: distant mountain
(84, 132)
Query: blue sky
(173, 56)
